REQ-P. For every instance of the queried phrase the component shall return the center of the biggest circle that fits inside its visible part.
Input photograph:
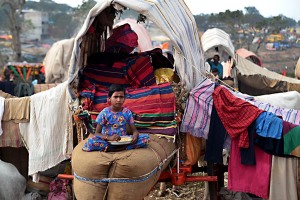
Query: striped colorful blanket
(133, 71)
(153, 107)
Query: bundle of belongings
(263, 139)
(152, 104)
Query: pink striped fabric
(198, 108)
(289, 115)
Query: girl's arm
(98, 132)
(134, 132)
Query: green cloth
(291, 140)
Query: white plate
(120, 142)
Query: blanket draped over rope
(48, 135)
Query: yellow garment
(17, 109)
(193, 146)
(11, 136)
(163, 75)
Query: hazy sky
(267, 8)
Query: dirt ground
(191, 191)
(277, 60)
(195, 191)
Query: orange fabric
(165, 45)
(193, 149)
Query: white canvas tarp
(217, 38)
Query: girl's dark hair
(115, 88)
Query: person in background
(215, 64)
(213, 75)
(284, 71)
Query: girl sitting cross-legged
(111, 125)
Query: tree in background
(65, 21)
(13, 10)
(233, 21)
(253, 17)
(82, 10)
(61, 25)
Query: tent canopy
(217, 38)
(297, 69)
(173, 18)
(249, 54)
(255, 80)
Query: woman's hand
(114, 137)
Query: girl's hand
(135, 137)
(114, 137)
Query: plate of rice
(124, 140)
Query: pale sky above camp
(267, 8)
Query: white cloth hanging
(48, 135)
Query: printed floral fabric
(97, 144)
(114, 122)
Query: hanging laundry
(197, 114)
(216, 138)
(254, 179)
(1, 112)
(236, 114)
(248, 154)
(292, 142)
(283, 183)
(268, 125)
(17, 109)
(193, 149)
(48, 138)
(289, 115)
(274, 146)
